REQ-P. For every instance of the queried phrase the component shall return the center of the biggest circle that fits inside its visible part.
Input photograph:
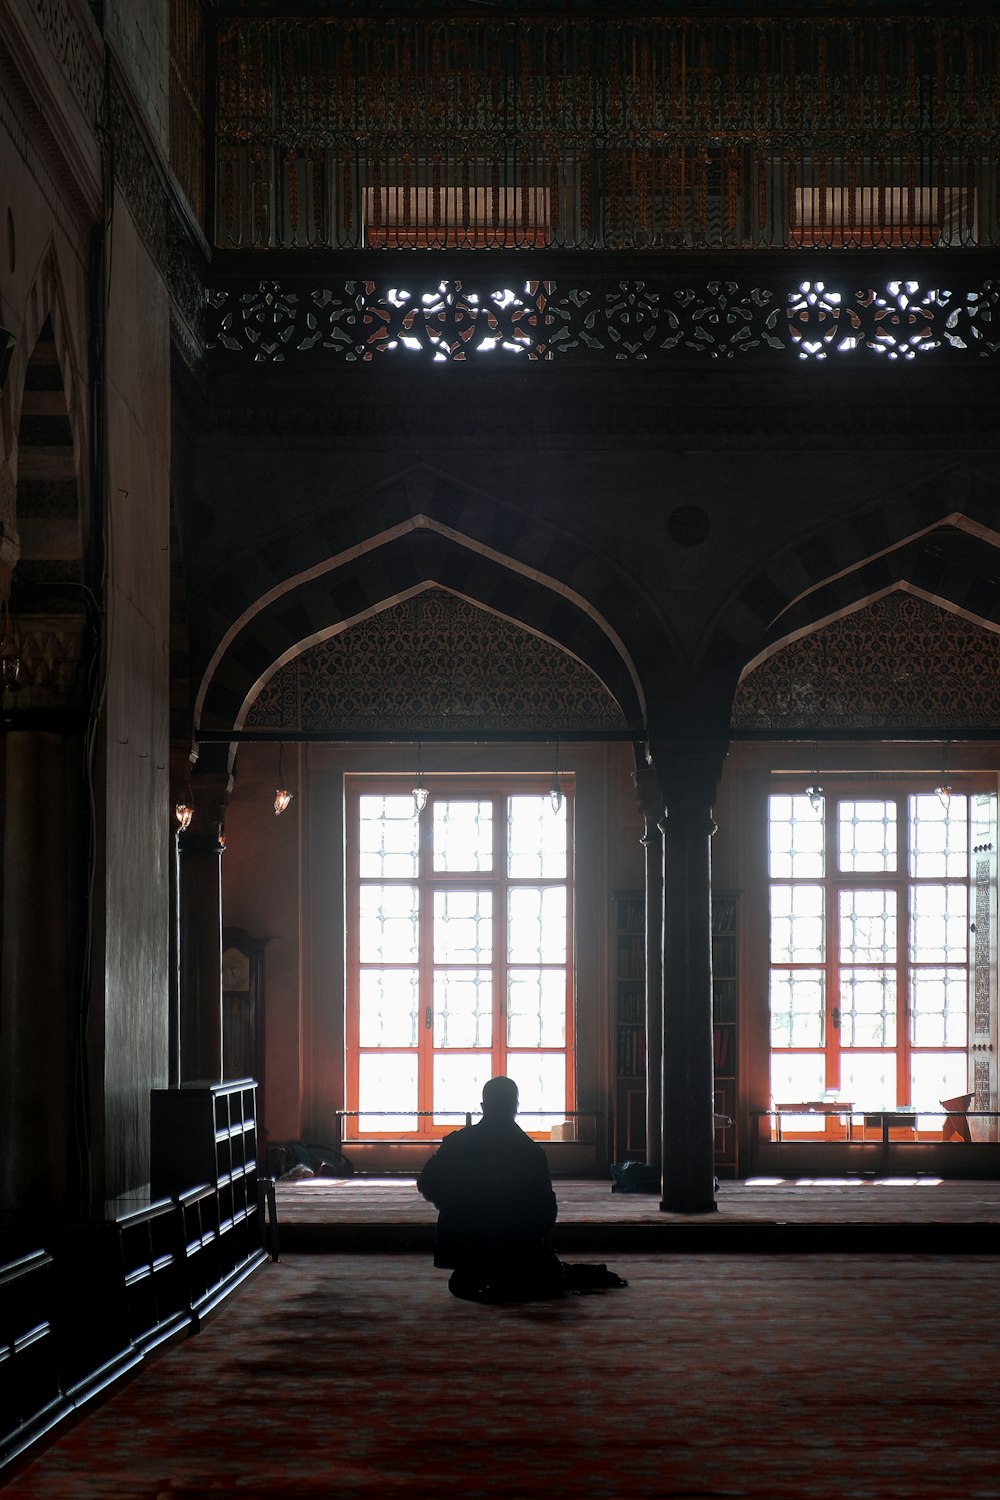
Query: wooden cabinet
(121, 1290)
(203, 1151)
(31, 1395)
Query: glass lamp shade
(184, 812)
(419, 797)
(282, 797)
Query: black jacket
(490, 1183)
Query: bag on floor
(634, 1177)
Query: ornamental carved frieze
(137, 176)
(434, 662)
(70, 34)
(898, 663)
(415, 317)
(158, 219)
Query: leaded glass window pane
(934, 1077)
(388, 836)
(536, 838)
(797, 1007)
(541, 1081)
(536, 1007)
(797, 832)
(387, 1084)
(867, 926)
(463, 834)
(458, 1085)
(797, 1078)
(463, 927)
(939, 929)
(797, 924)
(939, 836)
(388, 924)
(867, 1007)
(939, 1008)
(536, 925)
(866, 835)
(463, 1008)
(389, 1008)
(868, 1079)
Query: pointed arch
(332, 595)
(939, 538)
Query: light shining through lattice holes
(871, 959)
(459, 953)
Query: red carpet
(358, 1376)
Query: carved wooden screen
(584, 132)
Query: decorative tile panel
(899, 663)
(434, 662)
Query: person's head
(500, 1097)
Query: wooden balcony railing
(581, 132)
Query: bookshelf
(204, 1153)
(629, 995)
(725, 1023)
(628, 983)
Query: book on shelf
(631, 958)
(724, 955)
(631, 914)
(724, 1000)
(631, 1051)
(632, 1006)
(722, 1039)
(723, 913)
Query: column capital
(649, 796)
(688, 772)
(205, 789)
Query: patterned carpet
(358, 1377)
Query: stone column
(688, 774)
(199, 910)
(651, 802)
(41, 978)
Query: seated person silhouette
(491, 1186)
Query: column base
(689, 1206)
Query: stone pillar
(651, 802)
(41, 979)
(688, 774)
(199, 911)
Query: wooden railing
(582, 132)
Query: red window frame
(483, 787)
